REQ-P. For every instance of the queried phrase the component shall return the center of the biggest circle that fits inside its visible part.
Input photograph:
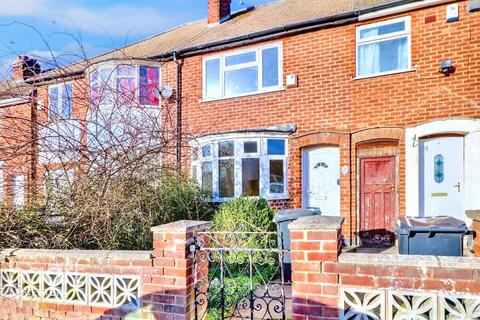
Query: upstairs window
(384, 47)
(124, 85)
(243, 72)
(60, 101)
(149, 80)
(250, 166)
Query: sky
(71, 29)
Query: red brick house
(365, 109)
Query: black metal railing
(240, 275)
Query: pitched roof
(279, 14)
(10, 89)
(262, 18)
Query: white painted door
(321, 179)
(441, 177)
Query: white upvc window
(242, 166)
(243, 72)
(124, 85)
(58, 180)
(60, 101)
(384, 47)
(18, 190)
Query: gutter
(401, 8)
(14, 101)
(371, 12)
(376, 11)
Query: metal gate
(240, 275)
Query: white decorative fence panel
(366, 304)
(103, 290)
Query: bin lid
(293, 214)
(442, 224)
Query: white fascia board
(12, 101)
(401, 9)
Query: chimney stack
(218, 10)
(24, 67)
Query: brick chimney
(24, 67)
(218, 10)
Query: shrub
(26, 228)
(109, 213)
(244, 215)
(244, 223)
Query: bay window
(245, 165)
(60, 101)
(384, 47)
(124, 85)
(243, 72)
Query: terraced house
(366, 109)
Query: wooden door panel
(377, 201)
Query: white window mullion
(222, 75)
(215, 174)
(264, 168)
(237, 179)
(260, 68)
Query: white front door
(441, 177)
(321, 179)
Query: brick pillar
(315, 241)
(475, 216)
(173, 280)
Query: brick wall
(321, 273)
(164, 280)
(329, 100)
(330, 106)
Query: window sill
(384, 74)
(268, 198)
(205, 100)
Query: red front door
(377, 202)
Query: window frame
(377, 39)
(223, 68)
(60, 111)
(14, 190)
(113, 83)
(239, 155)
(68, 176)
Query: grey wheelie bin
(438, 236)
(283, 218)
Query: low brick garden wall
(158, 284)
(329, 284)
(57, 284)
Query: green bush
(244, 222)
(240, 225)
(26, 228)
(244, 215)
(108, 213)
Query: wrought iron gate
(240, 275)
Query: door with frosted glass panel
(321, 179)
(441, 176)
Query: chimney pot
(218, 10)
(24, 67)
